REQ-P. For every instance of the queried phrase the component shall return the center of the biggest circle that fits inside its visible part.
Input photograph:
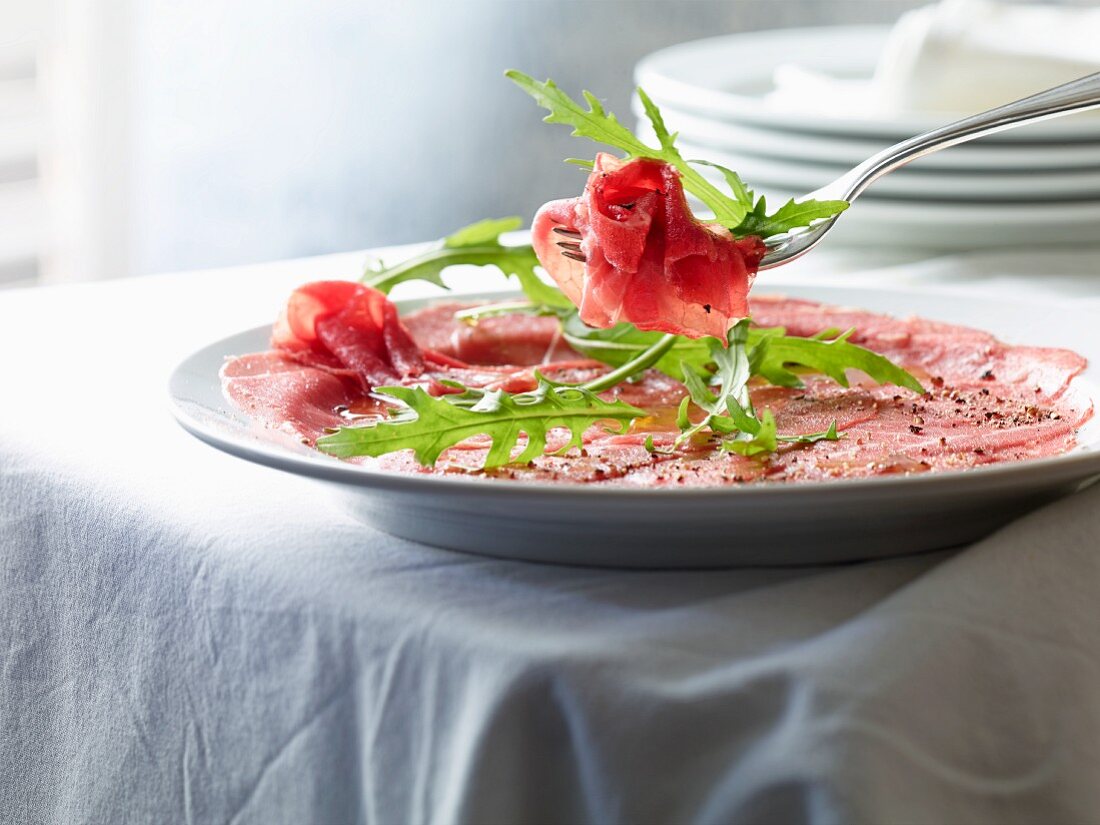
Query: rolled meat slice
(346, 326)
(636, 253)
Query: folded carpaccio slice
(349, 328)
(986, 401)
(637, 254)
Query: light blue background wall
(275, 129)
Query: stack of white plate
(1034, 185)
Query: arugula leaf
(738, 213)
(791, 215)
(492, 310)
(622, 343)
(428, 425)
(768, 354)
(751, 435)
(479, 245)
(756, 436)
(752, 351)
(828, 353)
(603, 127)
(759, 436)
(773, 353)
(741, 192)
(732, 378)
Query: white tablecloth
(186, 637)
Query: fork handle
(1075, 96)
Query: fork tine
(572, 247)
(569, 233)
(576, 256)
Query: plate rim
(1070, 187)
(663, 86)
(1082, 464)
(848, 150)
(931, 175)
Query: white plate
(978, 156)
(729, 76)
(1026, 187)
(810, 523)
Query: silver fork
(1075, 96)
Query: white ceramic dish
(797, 524)
(728, 77)
(847, 151)
(1024, 187)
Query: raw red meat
(511, 339)
(965, 357)
(342, 325)
(987, 402)
(647, 259)
(287, 395)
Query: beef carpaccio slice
(986, 402)
(641, 256)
